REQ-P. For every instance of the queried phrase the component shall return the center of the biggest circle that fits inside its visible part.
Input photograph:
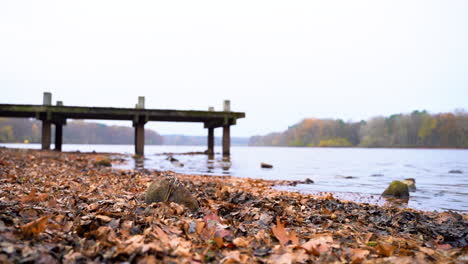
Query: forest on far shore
(416, 129)
(19, 130)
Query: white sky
(278, 61)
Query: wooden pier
(58, 114)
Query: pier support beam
(226, 141)
(58, 136)
(59, 123)
(45, 140)
(211, 141)
(139, 138)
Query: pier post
(45, 140)
(46, 123)
(141, 103)
(139, 137)
(226, 141)
(227, 106)
(226, 130)
(58, 136)
(211, 141)
(47, 98)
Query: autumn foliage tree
(417, 129)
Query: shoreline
(96, 213)
(204, 145)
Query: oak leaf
(282, 235)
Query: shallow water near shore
(356, 174)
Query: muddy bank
(65, 207)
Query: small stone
(164, 189)
(266, 165)
(308, 181)
(174, 161)
(103, 163)
(397, 189)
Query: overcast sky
(278, 61)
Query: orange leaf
(385, 249)
(33, 197)
(280, 233)
(35, 227)
(219, 241)
(293, 237)
(241, 242)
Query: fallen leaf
(280, 233)
(385, 249)
(147, 260)
(231, 257)
(33, 197)
(35, 227)
(444, 246)
(104, 218)
(318, 245)
(358, 255)
(241, 242)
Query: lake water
(349, 173)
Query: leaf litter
(61, 207)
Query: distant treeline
(75, 132)
(201, 140)
(418, 129)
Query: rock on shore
(397, 189)
(169, 189)
(411, 183)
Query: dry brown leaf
(147, 260)
(104, 218)
(284, 236)
(294, 238)
(34, 197)
(385, 249)
(231, 257)
(241, 242)
(358, 255)
(161, 235)
(35, 227)
(366, 237)
(219, 241)
(285, 258)
(318, 245)
(280, 233)
(443, 246)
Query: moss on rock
(397, 189)
(103, 162)
(164, 189)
